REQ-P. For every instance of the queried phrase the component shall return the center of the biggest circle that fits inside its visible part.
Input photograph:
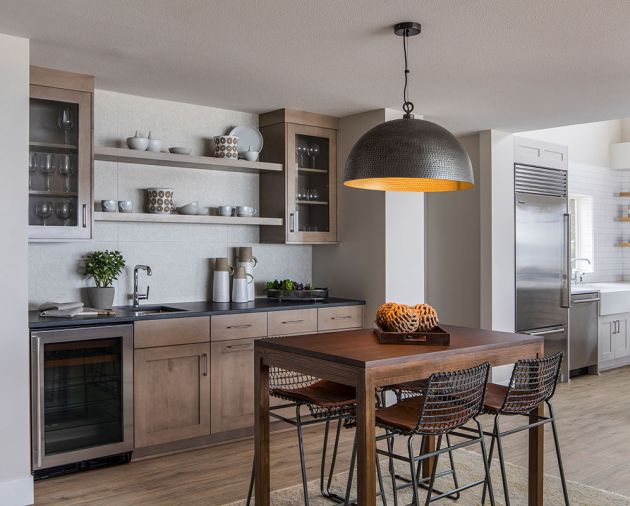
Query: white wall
(381, 252)
(453, 248)
(179, 254)
(16, 483)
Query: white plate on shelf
(248, 136)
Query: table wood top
(361, 348)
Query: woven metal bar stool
(533, 383)
(451, 400)
(327, 402)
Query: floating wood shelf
(624, 218)
(181, 218)
(624, 194)
(624, 244)
(313, 202)
(52, 145)
(184, 161)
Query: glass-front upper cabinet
(60, 160)
(310, 162)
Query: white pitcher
(240, 284)
(248, 262)
(221, 281)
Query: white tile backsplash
(604, 184)
(179, 254)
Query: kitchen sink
(149, 310)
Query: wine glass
(313, 151)
(64, 211)
(65, 122)
(47, 167)
(44, 210)
(32, 168)
(66, 169)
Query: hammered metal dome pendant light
(409, 155)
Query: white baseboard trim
(18, 492)
(613, 364)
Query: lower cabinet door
(232, 396)
(605, 344)
(171, 393)
(620, 341)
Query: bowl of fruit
(288, 289)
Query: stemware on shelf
(313, 151)
(64, 211)
(47, 167)
(65, 122)
(44, 209)
(32, 168)
(66, 169)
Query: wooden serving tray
(436, 337)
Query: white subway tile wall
(604, 184)
(179, 254)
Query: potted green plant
(104, 267)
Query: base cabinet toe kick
(187, 381)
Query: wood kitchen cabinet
(232, 393)
(305, 195)
(172, 380)
(60, 155)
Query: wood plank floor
(594, 425)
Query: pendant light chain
(407, 105)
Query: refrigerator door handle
(567, 245)
(545, 332)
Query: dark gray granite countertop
(201, 308)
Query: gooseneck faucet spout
(137, 297)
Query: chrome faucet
(137, 297)
(577, 274)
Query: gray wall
(453, 249)
(16, 483)
(179, 254)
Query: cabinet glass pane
(82, 394)
(53, 163)
(312, 190)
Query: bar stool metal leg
(325, 491)
(497, 436)
(557, 445)
(298, 426)
(486, 464)
(433, 471)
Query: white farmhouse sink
(615, 297)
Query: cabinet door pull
(292, 321)
(244, 326)
(291, 222)
(347, 317)
(204, 360)
(84, 207)
(234, 347)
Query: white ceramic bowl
(251, 156)
(190, 208)
(139, 143)
(154, 145)
(180, 151)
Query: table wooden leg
(366, 442)
(536, 460)
(427, 464)
(261, 432)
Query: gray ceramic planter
(101, 298)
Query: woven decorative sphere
(427, 317)
(395, 317)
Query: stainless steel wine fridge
(82, 396)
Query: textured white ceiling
(506, 64)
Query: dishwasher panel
(583, 329)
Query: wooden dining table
(357, 358)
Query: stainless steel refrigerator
(543, 271)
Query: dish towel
(60, 309)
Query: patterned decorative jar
(160, 200)
(226, 146)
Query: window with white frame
(581, 211)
